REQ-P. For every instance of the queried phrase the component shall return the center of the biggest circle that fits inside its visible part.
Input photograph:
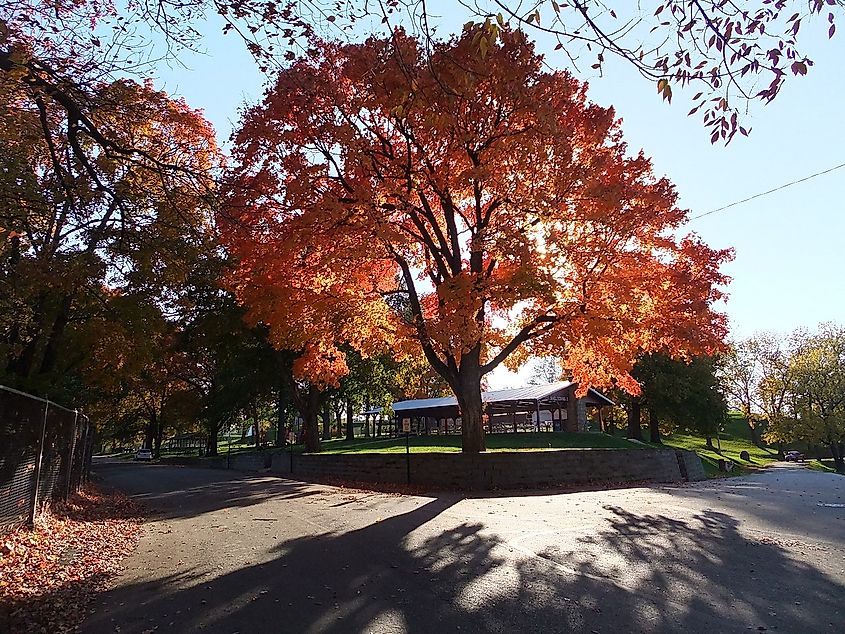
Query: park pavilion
(552, 407)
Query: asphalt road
(233, 553)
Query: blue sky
(789, 270)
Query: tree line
(792, 388)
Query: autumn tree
(134, 378)
(73, 234)
(740, 372)
(756, 376)
(726, 55)
(811, 399)
(508, 203)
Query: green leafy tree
(681, 394)
(812, 397)
(231, 365)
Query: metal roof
(528, 393)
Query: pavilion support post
(538, 414)
(513, 420)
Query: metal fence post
(72, 454)
(87, 451)
(34, 508)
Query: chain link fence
(45, 455)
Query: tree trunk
(709, 442)
(338, 415)
(327, 423)
(838, 457)
(781, 454)
(310, 431)
(634, 421)
(51, 349)
(158, 436)
(256, 426)
(468, 393)
(211, 445)
(367, 407)
(308, 408)
(653, 427)
(350, 425)
(755, 434)
(150, 433)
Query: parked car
(794, 456)
(144, 454)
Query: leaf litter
(49, 574)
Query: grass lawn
(731, 448)
(495, 442)
(825, 465)
(236, 445)
(734, 439)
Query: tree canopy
(76, 234)
(794, 385)
(683, 394)
(808, 399)
(505, 201)
(728, 54)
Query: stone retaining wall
(494, 470)
(692, 469)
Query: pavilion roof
(531, 394)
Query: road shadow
(421, 572)
(790, 498)
(171, 492)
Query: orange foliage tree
(488, 191)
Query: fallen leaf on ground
(51, 572)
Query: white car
(144, 454)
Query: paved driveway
(233, 553)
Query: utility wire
(745, 200)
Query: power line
(745, 200)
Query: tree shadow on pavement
(170, 492)
(425, 571)
(793, 502)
